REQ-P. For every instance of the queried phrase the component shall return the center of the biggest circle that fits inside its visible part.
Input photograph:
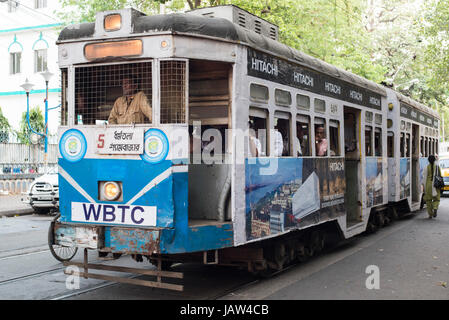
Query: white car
(43, 193)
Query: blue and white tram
(184, 183)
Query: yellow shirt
(130, 110)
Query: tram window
(407, 145)
(378, 142)
(350, 132)
(368, 116)
(98, 88)
(320, 105)
(64, 104)
(320, 137)
(258, 136)
(303, 136)
(258, 92)
(402, 145)
(173, 92)
(282, 97)
(390, 144)
(426, 147)
(302, 102)
(422, 152)
(282, 127)
(368, 141)
(378, 118)
(334, 128)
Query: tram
(238, 149)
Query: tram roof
(223, 29)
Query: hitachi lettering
(266, 67)
(333, 88)
(114, 214)
(356, 95)
(374, 101)
(303, 79)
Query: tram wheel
(60, 253)
(317, 241)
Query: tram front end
(119, 181)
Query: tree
(4, 127)
(401, 43)
(36, 122)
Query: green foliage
(37, 123)
(4, 127)
(402, 43)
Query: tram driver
(132, 107)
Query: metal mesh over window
(64, 106)
(173, 92)
(98, 87)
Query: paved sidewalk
(11, 205)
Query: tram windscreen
(97, 88)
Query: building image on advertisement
(28, 34)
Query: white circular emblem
(73, 145)
(156, 146)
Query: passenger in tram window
(320, 141)
(255, 147)
(278, 140)
(132, 107)
(431, 194)
(299, 139)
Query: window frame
(14, 62)
(369, 153)
(315, 100)
(305, 119)
(390, 144)
(44, 60)
(40, 4)
(261, 113)
(336, 125)
(324, 124)
(378, 130)
(285, 116)
(256, 99)
(301, 107)
(281, 91)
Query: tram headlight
(165, 44)
(110, 190)
(112, 22)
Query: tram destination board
(119, 141)
(267, 67)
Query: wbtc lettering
(108, 213)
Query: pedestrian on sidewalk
(431, 194)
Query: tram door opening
(352, 165)
(210, 85)
(415, 163)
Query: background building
(28, 34)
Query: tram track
(30, 276)
(11, 254)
